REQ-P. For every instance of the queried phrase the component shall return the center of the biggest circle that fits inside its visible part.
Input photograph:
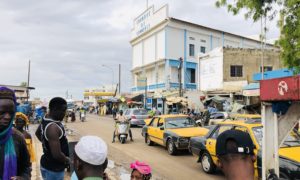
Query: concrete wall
(175, 43)
(149, 49)
(211, 77)
(250, 59)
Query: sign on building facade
(149, 19)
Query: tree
(289, 23)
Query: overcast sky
(67, 41)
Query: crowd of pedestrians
(17, 152)
(234, 148)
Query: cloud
(68, 41)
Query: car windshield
(293, 139)
(139, 112)
(179, 122)
(257, 131)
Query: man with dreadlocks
(14, 157)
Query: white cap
(92, 150)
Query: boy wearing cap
(235, 151)
(90, 158)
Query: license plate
(123, 135)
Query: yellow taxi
(171, 131)
(289, 157)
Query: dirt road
(165, 166)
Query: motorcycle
(122, 131)
(82, 117)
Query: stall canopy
(176, 100)
(251, 89)
(99, 94)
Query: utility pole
(145, 97)
(119, 78)
(28, 81)
(180, 75)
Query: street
(165, 166)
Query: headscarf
(6, 139)
(20, 115)
(143, 168)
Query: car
(171, 131)
(217, 117)
(136, 116)
(205, 148)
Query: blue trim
(174, 63)
(191, 86)
(184, 59)
(251, 86)
(191, 65)
(188, 85)
(150, 87)
(211, 42)
(274, 74)
(223, 38)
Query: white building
(158, 41)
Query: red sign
(280, 89)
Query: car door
(152, 129)
(212, 141)
(160, 131)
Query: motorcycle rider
(121, 118)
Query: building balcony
(164, 86)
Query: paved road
(182, 166)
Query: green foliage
(289, 23)
(290, 34)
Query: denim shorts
(51, 175)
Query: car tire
(207, 163)
(148, 141)
(172, 150)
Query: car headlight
(183, 140)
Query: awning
(99, 94)
(251, 89)
(251, 92)
(176, 100)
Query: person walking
(52, 134)
(20, 121)
(14, 156)
(90, 158)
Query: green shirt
(93, 178)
